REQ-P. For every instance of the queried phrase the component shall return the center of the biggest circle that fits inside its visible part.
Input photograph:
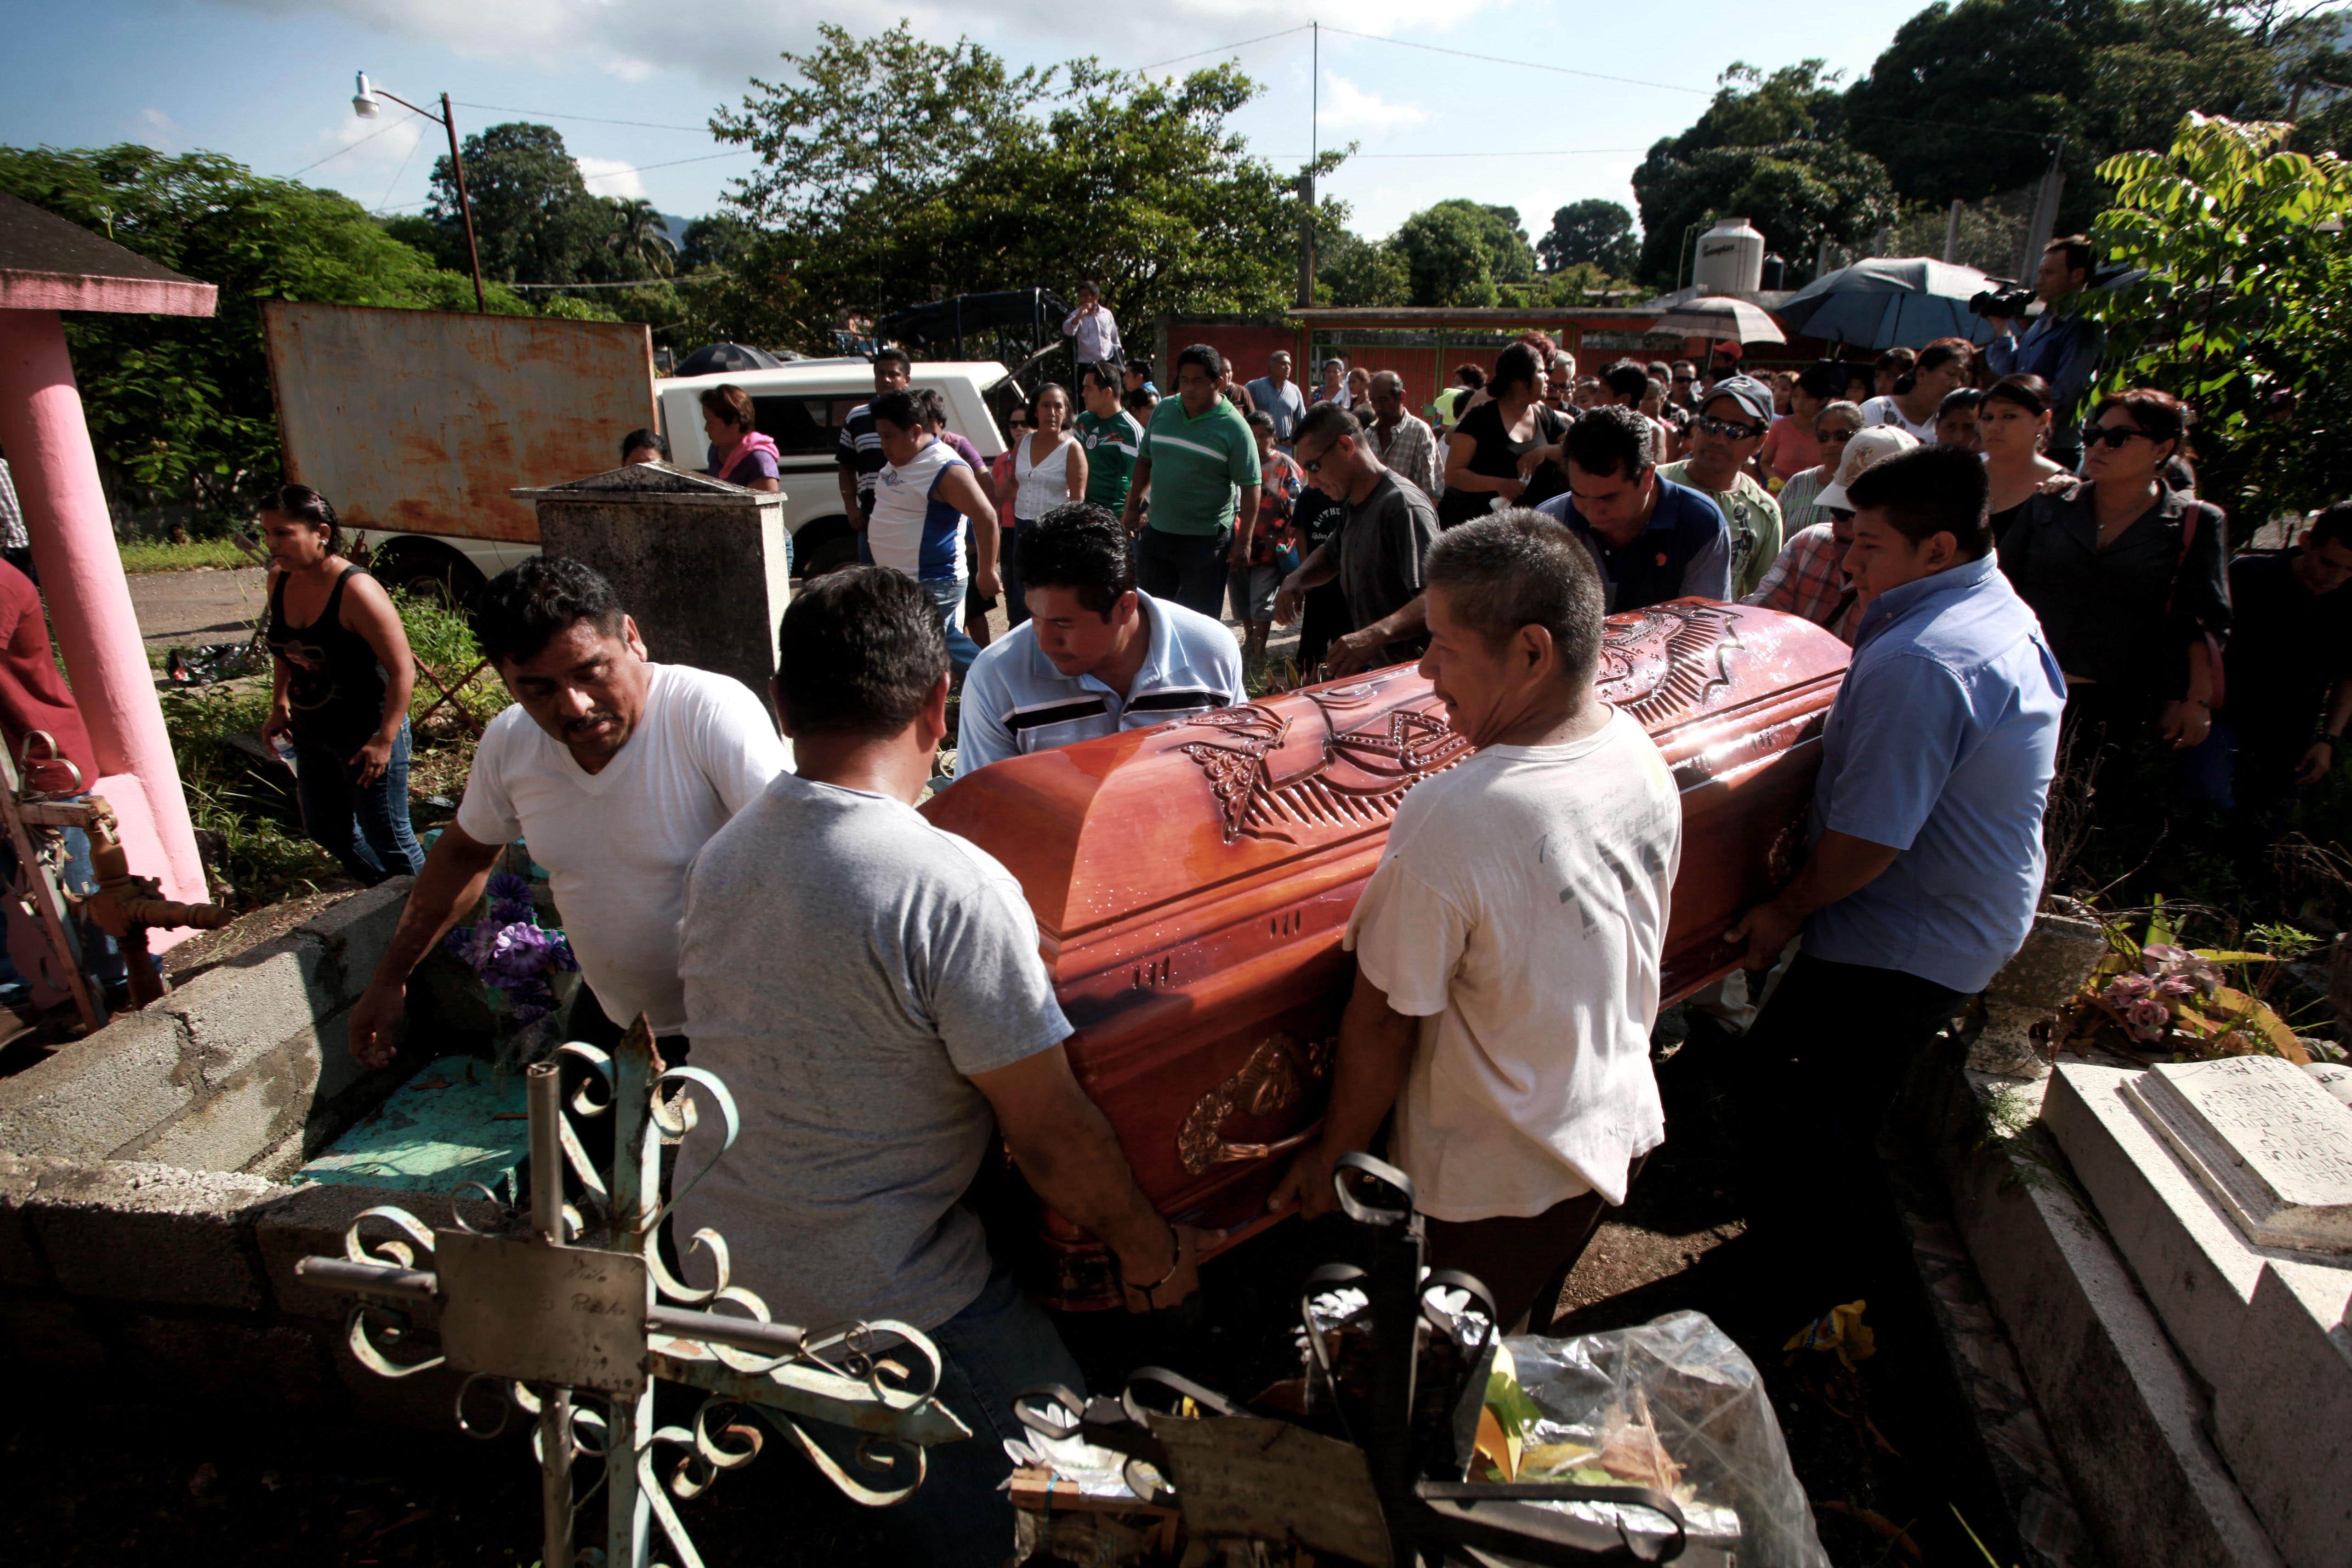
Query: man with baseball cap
(1809, 579)
(1729, 426)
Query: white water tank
(1730, 258)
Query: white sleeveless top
(1044, 486)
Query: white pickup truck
(801, 405)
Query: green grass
(160, 555)
(266, 858)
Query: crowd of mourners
(2010, 560)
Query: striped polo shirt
(912, 530)
(1016, 701)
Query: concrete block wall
(148, 1234)
(242, 1069)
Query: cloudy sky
(1571, 94)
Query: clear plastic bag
(1676, 1405)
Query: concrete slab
(2127, 1421)
(2284, 1421)
(152, 1233)
(101, 1094)
(2272, 1145)
(2262, 1327)
(22, 1267)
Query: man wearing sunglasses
(1725, 436)
(1683, 391)
(1377, 552)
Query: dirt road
(183, 609)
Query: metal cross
(577, 1335)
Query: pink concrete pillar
(49, 455)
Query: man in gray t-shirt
(870, 989)
(1376, 553)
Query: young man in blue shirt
(1926, 860)
(1654, 539)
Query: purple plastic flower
(2128, 988)
(2148, 1019)
(517, 954)
(510, 899)
(2176, 986)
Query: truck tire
(429, 571)
(823, 544)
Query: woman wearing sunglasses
(1833, 426)
(2128, 576)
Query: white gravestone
(2266, 1140)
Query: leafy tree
(894, 170)
(1797, 193)
(1509, 257)
(1593, 232)
(1752, 108)
(534, 219)
(2242, 306)
(641, 236)
(721, 239)
(1447, 256)
(1969, 97)
(1349, 270)
(183, 405)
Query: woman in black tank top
(343, 675)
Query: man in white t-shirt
(921, 499)
(1507, 947)
(614, 768)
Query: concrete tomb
(700, 563)
(2226, 1187)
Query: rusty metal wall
(421, 421)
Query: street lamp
(364, 104)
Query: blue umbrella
(1890, 301)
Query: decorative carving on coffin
(1654, 664)
(1278, 1074)
(1664, 661)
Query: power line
(674, 163)
(356, 145)
(1506, 152)
(591, 119)
(1529, 65)
(1223, 48)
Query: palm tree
(640, 235)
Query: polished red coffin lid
(1152, 820)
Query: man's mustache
(577, 726)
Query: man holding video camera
(2059, 347)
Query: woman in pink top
(1789, 446)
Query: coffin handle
(1230, 1154)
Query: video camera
(2008, 300)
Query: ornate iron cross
(574, 1321)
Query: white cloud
(721, 44)
(610, 177)
(1348, 107)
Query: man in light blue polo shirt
(1926, 866)
(1097, 656)
(1276, 396)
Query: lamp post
(363, 103)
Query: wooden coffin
(1192, 883)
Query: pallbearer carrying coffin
(1507, 949)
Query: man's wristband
(1176, 1244)
(2333, 743)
